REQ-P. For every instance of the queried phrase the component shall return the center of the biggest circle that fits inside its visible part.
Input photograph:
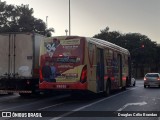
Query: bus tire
(134, 84)
(124, 88)
(108, 88)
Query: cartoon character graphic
(51, 46)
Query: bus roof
(106, 44)
(101, 43)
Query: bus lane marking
(83, 107)
(3, 98)
(32, 103)
(130, 104)
(52, 106)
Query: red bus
(82, 63)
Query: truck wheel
(25, 94)
(10, 93)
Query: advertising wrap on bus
(61, 60)
(82, 63)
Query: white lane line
(83, 107)
(7, 97)
(52, 106)
(129, 104)
(154, 98)
(58, 97)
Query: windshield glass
(152, 75)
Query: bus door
(120, 69)
(100, 70)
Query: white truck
(19, 62)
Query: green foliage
(141, 57)
(21, 19)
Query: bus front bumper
(63, 86)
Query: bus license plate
(61, 86)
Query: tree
(21, 19)
(142, 57)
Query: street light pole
(66, 31)
(69, 19)
(46, 21)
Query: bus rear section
(62, 64)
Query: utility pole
(69, 19)
(46, 21)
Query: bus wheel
(108, 88)
(124, 88)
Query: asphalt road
(133, 103)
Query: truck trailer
(19, 62)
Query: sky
(88, 17)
